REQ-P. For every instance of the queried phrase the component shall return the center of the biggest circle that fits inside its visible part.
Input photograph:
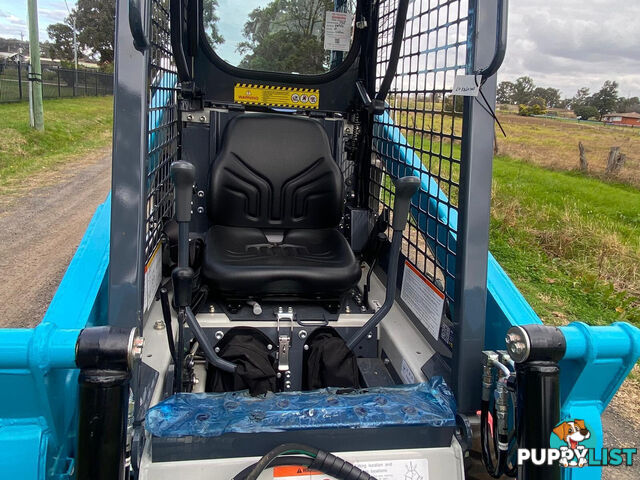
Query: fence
(57, 82)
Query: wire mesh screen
(162, 125)
(421, 133)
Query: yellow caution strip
(276, 96)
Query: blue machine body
(37, 366)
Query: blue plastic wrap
(213, 414)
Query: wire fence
(57, 82)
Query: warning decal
(409, 469)
(275, 96)
(423, 298)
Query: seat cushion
(242, 261)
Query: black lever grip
(406, 187)
(182, 279)
(183, 175)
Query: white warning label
(415, 469)
(337, 31)
(423, 298)
(152, 276)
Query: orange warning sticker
(297, 473)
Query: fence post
(20, 79)
(59, 91)
(75, 80)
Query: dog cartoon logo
(573, 433)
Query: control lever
(406, 187)
(183, 176)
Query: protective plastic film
(213, 414)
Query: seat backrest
(275, 171)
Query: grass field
(74, 128)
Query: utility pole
(35, 76)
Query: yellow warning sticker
(276, 96)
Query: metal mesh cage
(162, 125)
(421, 133)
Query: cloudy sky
(563, 44)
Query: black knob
(406, 187)
(183, 175)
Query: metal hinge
(284, 338)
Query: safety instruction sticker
(413, 469)
(423, 298)
(337, 31)
(276, 96)
(152, 276)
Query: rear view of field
(553, 143)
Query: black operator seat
(275, 200)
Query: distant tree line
(95, 29)
(533, 100)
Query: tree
(210, 21)
(585, 112)
(551, 96)
(286, 36)
(95, 21)
(581, 98)
(61, 36)
(505, 92)
(606, 99)
(523, 90)
(626, 105)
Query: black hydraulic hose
(485, 438)
(277, 462)
(392, 274)
(322, 461)
(398, 35)
(205, 345)
(177, 387)
(166, 314)
(283, 449)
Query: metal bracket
(199, 116)
(284, 339)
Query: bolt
(269, 347)
(512, 337)
(302, 334)
(278, 375)
(217, 349)
(518, 347)
(280, 310)
(363, 308)
(136, 349)
(203, 118)
(201, 193)
(219, 335)
(369, 335)
(189, 117)
(290, 310)
(387, 361)
(347, 309)
(306, 347)
(287, 374)
(195, 380)
(287, 384)
(212, 309)
(200, 210)
(159, 325)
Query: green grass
(570, 243)
(74, 127)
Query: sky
(564, 44)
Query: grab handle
(140, 41)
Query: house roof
(628, 115)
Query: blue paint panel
(37, 419)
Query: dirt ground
(40, 231)
(41, 228)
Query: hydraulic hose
(211, 355)
(322, 461)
